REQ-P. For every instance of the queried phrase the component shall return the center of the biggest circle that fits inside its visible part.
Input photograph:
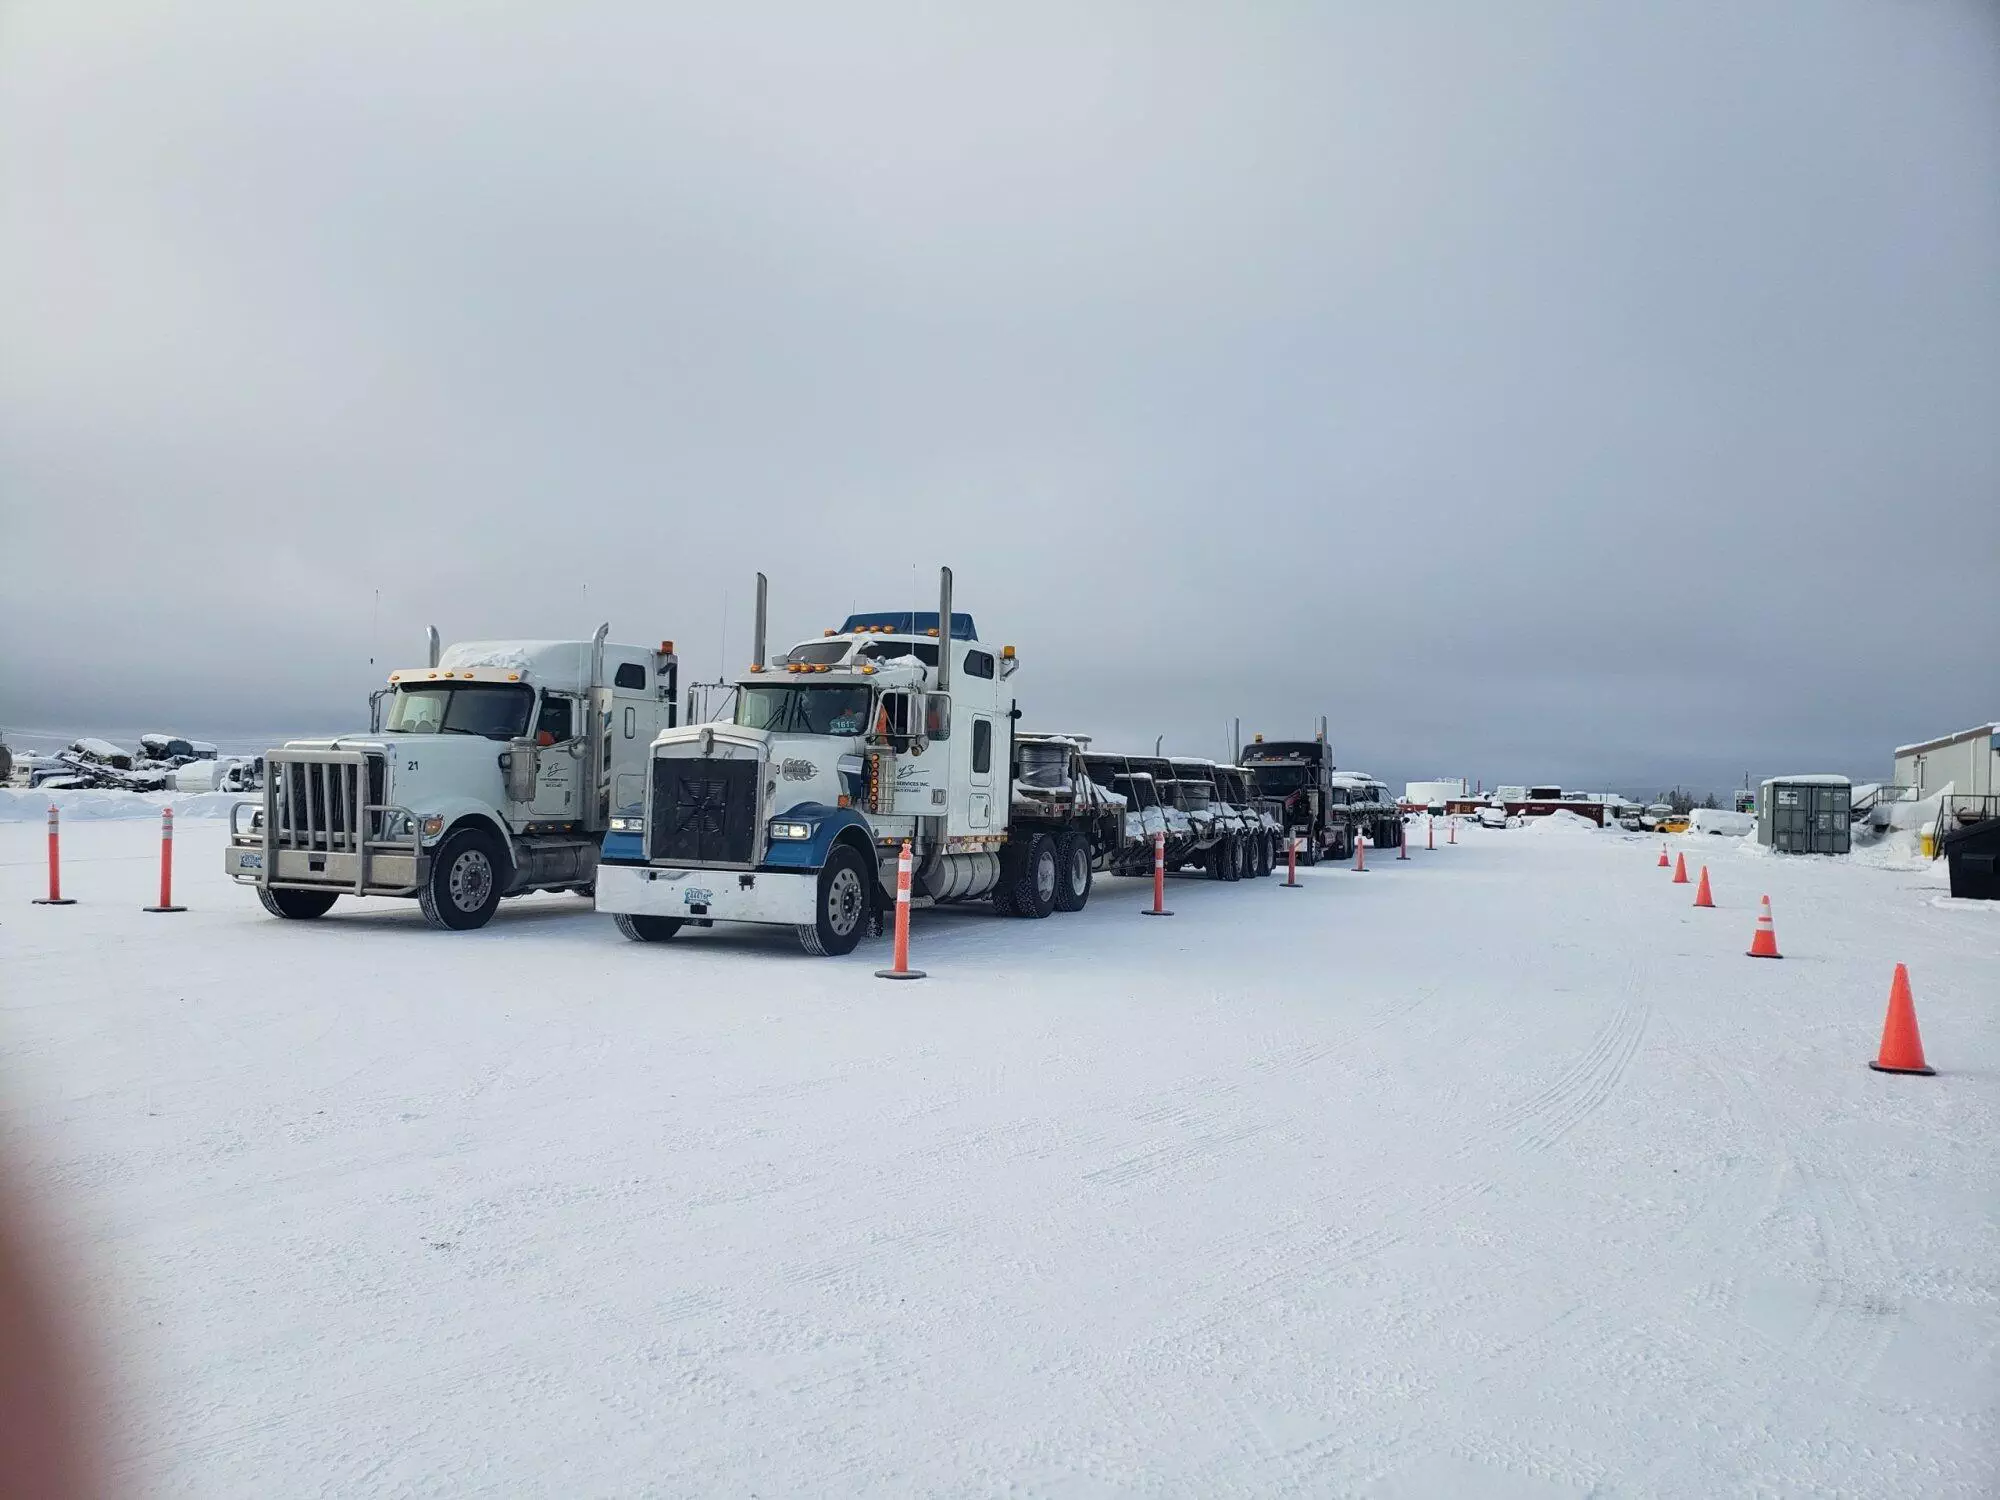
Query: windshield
(1045, 766)
(1278, 781)
(497, 710)
(833, 709)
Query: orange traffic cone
(1765, 943)
(1701, 895)
(1680, 869)
(1664, 861)
(1902, 1049)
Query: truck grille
(704, 811)
(319, 800)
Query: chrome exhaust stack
(944, 630)
(763, 611)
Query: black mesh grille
(705, 811)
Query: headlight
(628, 825)
(791, 830)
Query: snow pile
(20, 806)
(503, 656)
(1561, 821)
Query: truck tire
(297, 906)
(644, 929)
(1073, 872)
(1011, 857)
(842, 907)
(1237, 856)
(1037, 879)
(468, 873)
(1267, 857)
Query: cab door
(559, 770)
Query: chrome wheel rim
(471, 880)
(843, 901)
(1079, 867)
(1045, 878)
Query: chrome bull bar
(315, 805)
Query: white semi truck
(494, 770)
(897, 726)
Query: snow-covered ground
(1499, 1172)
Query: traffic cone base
(1902, 1049)
(1765, 943)
(900, 974)
(1680, 869)
(1701, 895)
(163, 908)
(54, 901)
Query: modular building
(1434, 793)
(1805, 814)
(1968, 762)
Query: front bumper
(775, 898)
(311, 870)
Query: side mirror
(518, 762)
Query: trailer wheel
(841, 907)
(1267, 855)
(644, 929)
(1036, 881)
(468, 874)
(1072, 870)
(296, 906)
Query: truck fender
(831, 825)
(458, 811)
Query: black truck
(1297, 775)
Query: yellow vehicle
(1675, 823)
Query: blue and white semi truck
(897, 726)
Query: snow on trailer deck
(1500, 1171)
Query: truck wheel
(842, 906)
(1034, 893)
(643, 929)
(468, 873)
(1010, 876)
(1234, 861)
(1072, 871)
(1267, 857)
(298, 906)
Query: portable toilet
(1805, 814)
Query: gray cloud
(1537, 391)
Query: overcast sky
(1539, 390)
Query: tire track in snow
(1275, 1265)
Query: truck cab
(1297, 776)
(489, 772)
(895, 727)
